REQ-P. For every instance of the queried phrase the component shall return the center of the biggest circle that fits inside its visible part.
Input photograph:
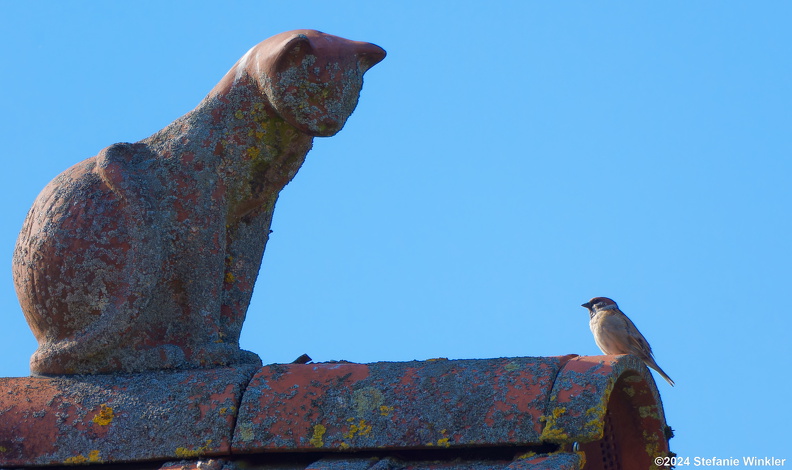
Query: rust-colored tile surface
(427, 404)
(590, 386)
(95, 419)
(310, 414)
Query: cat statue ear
(312, 79)
(144, 257)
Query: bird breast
(609, 333)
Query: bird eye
(601, 304)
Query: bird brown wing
(637, 341)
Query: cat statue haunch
(144, 257)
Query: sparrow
(614, 333)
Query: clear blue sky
(507, 162)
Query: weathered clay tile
(119, 418)
(510, 412)
(438, 403)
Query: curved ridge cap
(581, 393)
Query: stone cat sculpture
(145, 256)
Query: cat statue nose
(370, 55)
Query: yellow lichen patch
(3, 449)
(527, 455)
(582, 456)
(653, 447)
(253, 152)
(76, 459)
(229, 278)
(554, 435)
(385, 410)
(239, 114)
(648, 412)
(93, 456)
(104, 417)
(186, 453)
(257, 134)
(318, 433)
(598, 410)
(443, 442)
(224, 410)
(343, 446)
(362, 429)
(597, 422)
(551, 432)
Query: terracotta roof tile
(395, 405)
(119, 418)
(524, 412)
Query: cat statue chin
(144, 256)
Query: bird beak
(587, 305)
